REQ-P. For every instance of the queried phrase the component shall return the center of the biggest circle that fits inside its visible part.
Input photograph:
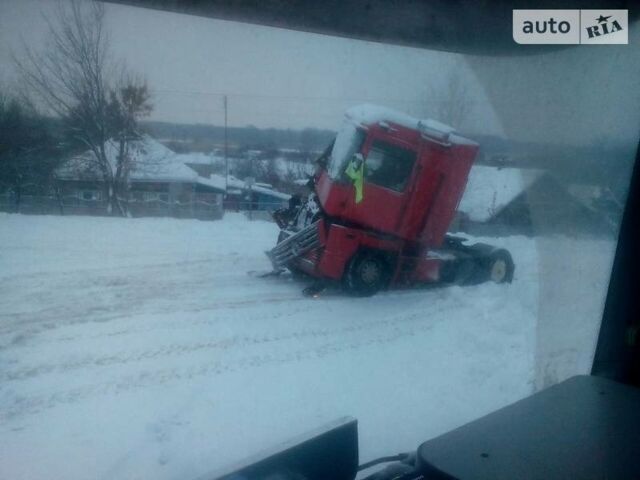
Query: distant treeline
(604, 161)
(200, 136)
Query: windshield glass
(388, 165)
(348, 142)
(149, 159)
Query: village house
(159, 185)
(245, 195)
(524, 201)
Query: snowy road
(141, 348)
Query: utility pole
(251, 187)
(226, 158)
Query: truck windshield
(388, 165)
(347, 143)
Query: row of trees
(28, 147)
(204, 138)
(76, 97)
(94, 99)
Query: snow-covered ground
(140, 348)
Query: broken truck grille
(295, 246)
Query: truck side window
(388, 165)
(348, 142)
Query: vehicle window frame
(395, 144)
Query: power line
(292, 97)
(226, 158)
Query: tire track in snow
(90, 316)
(31, 404)
(130, 300)
(75, 272)
(132, 303)
(237, 341)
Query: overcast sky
(281, 78)
(273, 77)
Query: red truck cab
(385, 197)
(415, 173)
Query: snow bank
(140, 348)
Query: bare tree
(128, 102)
(73, 76)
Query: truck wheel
(366, 274)
(459, 271)
(499, 266)
(449, 271)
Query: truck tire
(449, 271)
(366, 274)
(462, 271)
(499, 266)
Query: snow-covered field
(140, 348)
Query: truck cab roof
(367, 114)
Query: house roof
(490, 189)
(151, 161)
(198, 158)
(237, 184)
(155, 162)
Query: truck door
(388, 166)
(440, 181)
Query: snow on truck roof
(368, 114)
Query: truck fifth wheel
(384, 195)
